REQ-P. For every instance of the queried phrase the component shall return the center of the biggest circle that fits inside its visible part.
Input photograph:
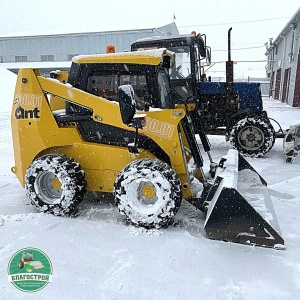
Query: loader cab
(151, 83)
(191, 51)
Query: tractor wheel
(148, 192)
(252, 136)
(55, 184)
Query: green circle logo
(29, 270)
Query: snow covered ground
(98, 256)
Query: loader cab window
(106, 86)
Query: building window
(47, 57)
(70, 56)
(20, 58)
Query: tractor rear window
(106, 86)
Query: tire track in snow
(5, 185)
(278, 190)
(115, 274)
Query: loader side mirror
(127, 103)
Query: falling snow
(97, 255)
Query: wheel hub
(147, 193)
(251, 138)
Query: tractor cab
(229, 108)
(192, 53)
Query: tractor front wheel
(55, 184)
(148, 192)
(252, 136)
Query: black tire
(252, 136)
(21, 264)
(55, 184)
(148, 192)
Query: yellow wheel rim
(148, 191)
(56, 183)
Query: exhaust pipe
(229, 63)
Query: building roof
(48, 33)
(290, 25)
(155, 38)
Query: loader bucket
(240, 208)
(291, 144)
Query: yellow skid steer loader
(111, 126)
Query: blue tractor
(233, 109)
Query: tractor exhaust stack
(229, 63)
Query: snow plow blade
(240, 208)
(291, 144)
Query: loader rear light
(143, 121)
(139, 121)
(110, 49)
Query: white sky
(199, 15)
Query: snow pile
(229, 173)
(8, 83)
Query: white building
(284, 63)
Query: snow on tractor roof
(149, 57)
(157, 37)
